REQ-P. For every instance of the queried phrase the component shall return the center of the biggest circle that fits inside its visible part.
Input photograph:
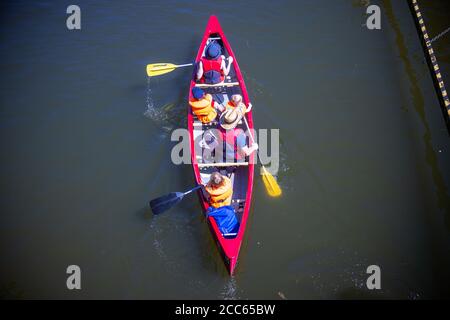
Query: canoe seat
(213, 123)
(230, 235)
(222, 164)
(222, 84)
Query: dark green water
(85, 140)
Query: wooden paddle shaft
(251, 138)
(248, 128)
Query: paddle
(271, 184)
(161, 204)
(157, 69)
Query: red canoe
(240, 172)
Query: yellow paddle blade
(271, 184)
(156, 69)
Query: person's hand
(230, 59)
(255, 146)
(249, 107)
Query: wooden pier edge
(432, 61)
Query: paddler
(219, 190)
(203, 105)
(236, 139)
(212, 68)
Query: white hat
(230, 118)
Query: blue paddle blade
(161, 204)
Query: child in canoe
(236, 146)
(212, 69)
(236, 139)
(219, 190)
(203, 105)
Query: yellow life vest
(203, 109)
(221, 195)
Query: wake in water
(157, 233)
(230, 290)
(156, 114)
(166, 116)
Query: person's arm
(242, 145)
(226, 70)
(248, 151)
(199, 70)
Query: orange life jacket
(221, 195)
(204, 109)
